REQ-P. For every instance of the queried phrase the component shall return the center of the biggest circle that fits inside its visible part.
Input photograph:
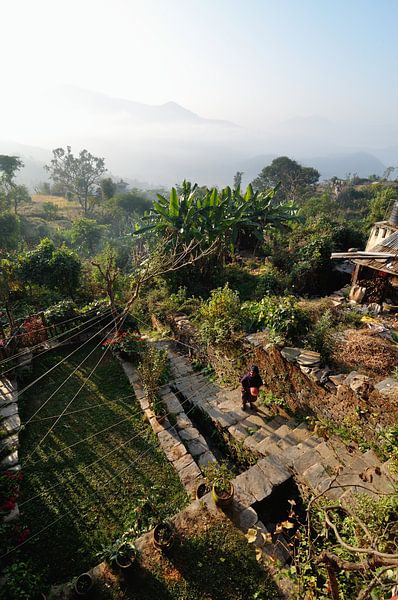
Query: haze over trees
(79, 175)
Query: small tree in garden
(220, 319)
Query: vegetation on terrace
(142, 488)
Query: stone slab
(258, 484)
(173, 405)
(189, 433)
(206, 458)
(189, 473)
(175, 452)
(245, 519)
(314, 476)
(9, 461)
(182, 421)
(306, 460)
(274, 470)
(196, 447)
(11, 424)
(183, 462)
(8, 410)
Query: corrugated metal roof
(390, 242)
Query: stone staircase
(331, 467)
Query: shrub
(66, 309)
(272, 282)
(321, 338)
(153, 366)
(220, 318)
(282, 316)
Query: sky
(253, 62)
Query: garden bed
(132, 487)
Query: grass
(213, 562)
(145, 487)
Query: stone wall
(294, 374)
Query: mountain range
(152, 145)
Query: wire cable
(31, 348)
(76, 394)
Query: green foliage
(80, 176)
(10, 231)
(22, 582)
(292, 178)
(218, 475)
(281, 315)
(85, 234)
(50, 210)
(269, 400)
(321, 337)
(66, 309)
(56, 268)
(215, 216)
(380, 204)
(153, 365)
(219, 318)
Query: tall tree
(238, 179)
(14, 194)
(80, 175)
(293, 179)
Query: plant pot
(201, 491)
(124, 560)
(83, 584)
(163, 536)
(223, 499)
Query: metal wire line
(53, 324)
(77, 473)
(76, 394)
(24, 352)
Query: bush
(153, 366)
(272, 282)
(281, 315)
(220, 318)
(66, 309)
(321, 338)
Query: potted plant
(83, 584)
(163, 536)
(122, 552)
(202, 490)
(219, 479)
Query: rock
(10, 424)
(9, 461)
(183, 462)
(291, 354)
(338, 379)
(246, 519)
(189, 474)
(387, 386)
(308, 358)
(206, 458)
(360, 384)
(197, 447)
(259, 485)
(189, 433)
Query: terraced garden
(86, 493)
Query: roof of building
(382, 257)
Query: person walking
(251, 383)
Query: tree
(15, 194)
(292, 179)
(86, 235)
(108, 188)
(55, 268)
(9, 231)
(79, 175)
(18, 195)
(238, 179)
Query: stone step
(305, 460)
(314, 476)
(274, 469)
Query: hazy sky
(252, 62)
